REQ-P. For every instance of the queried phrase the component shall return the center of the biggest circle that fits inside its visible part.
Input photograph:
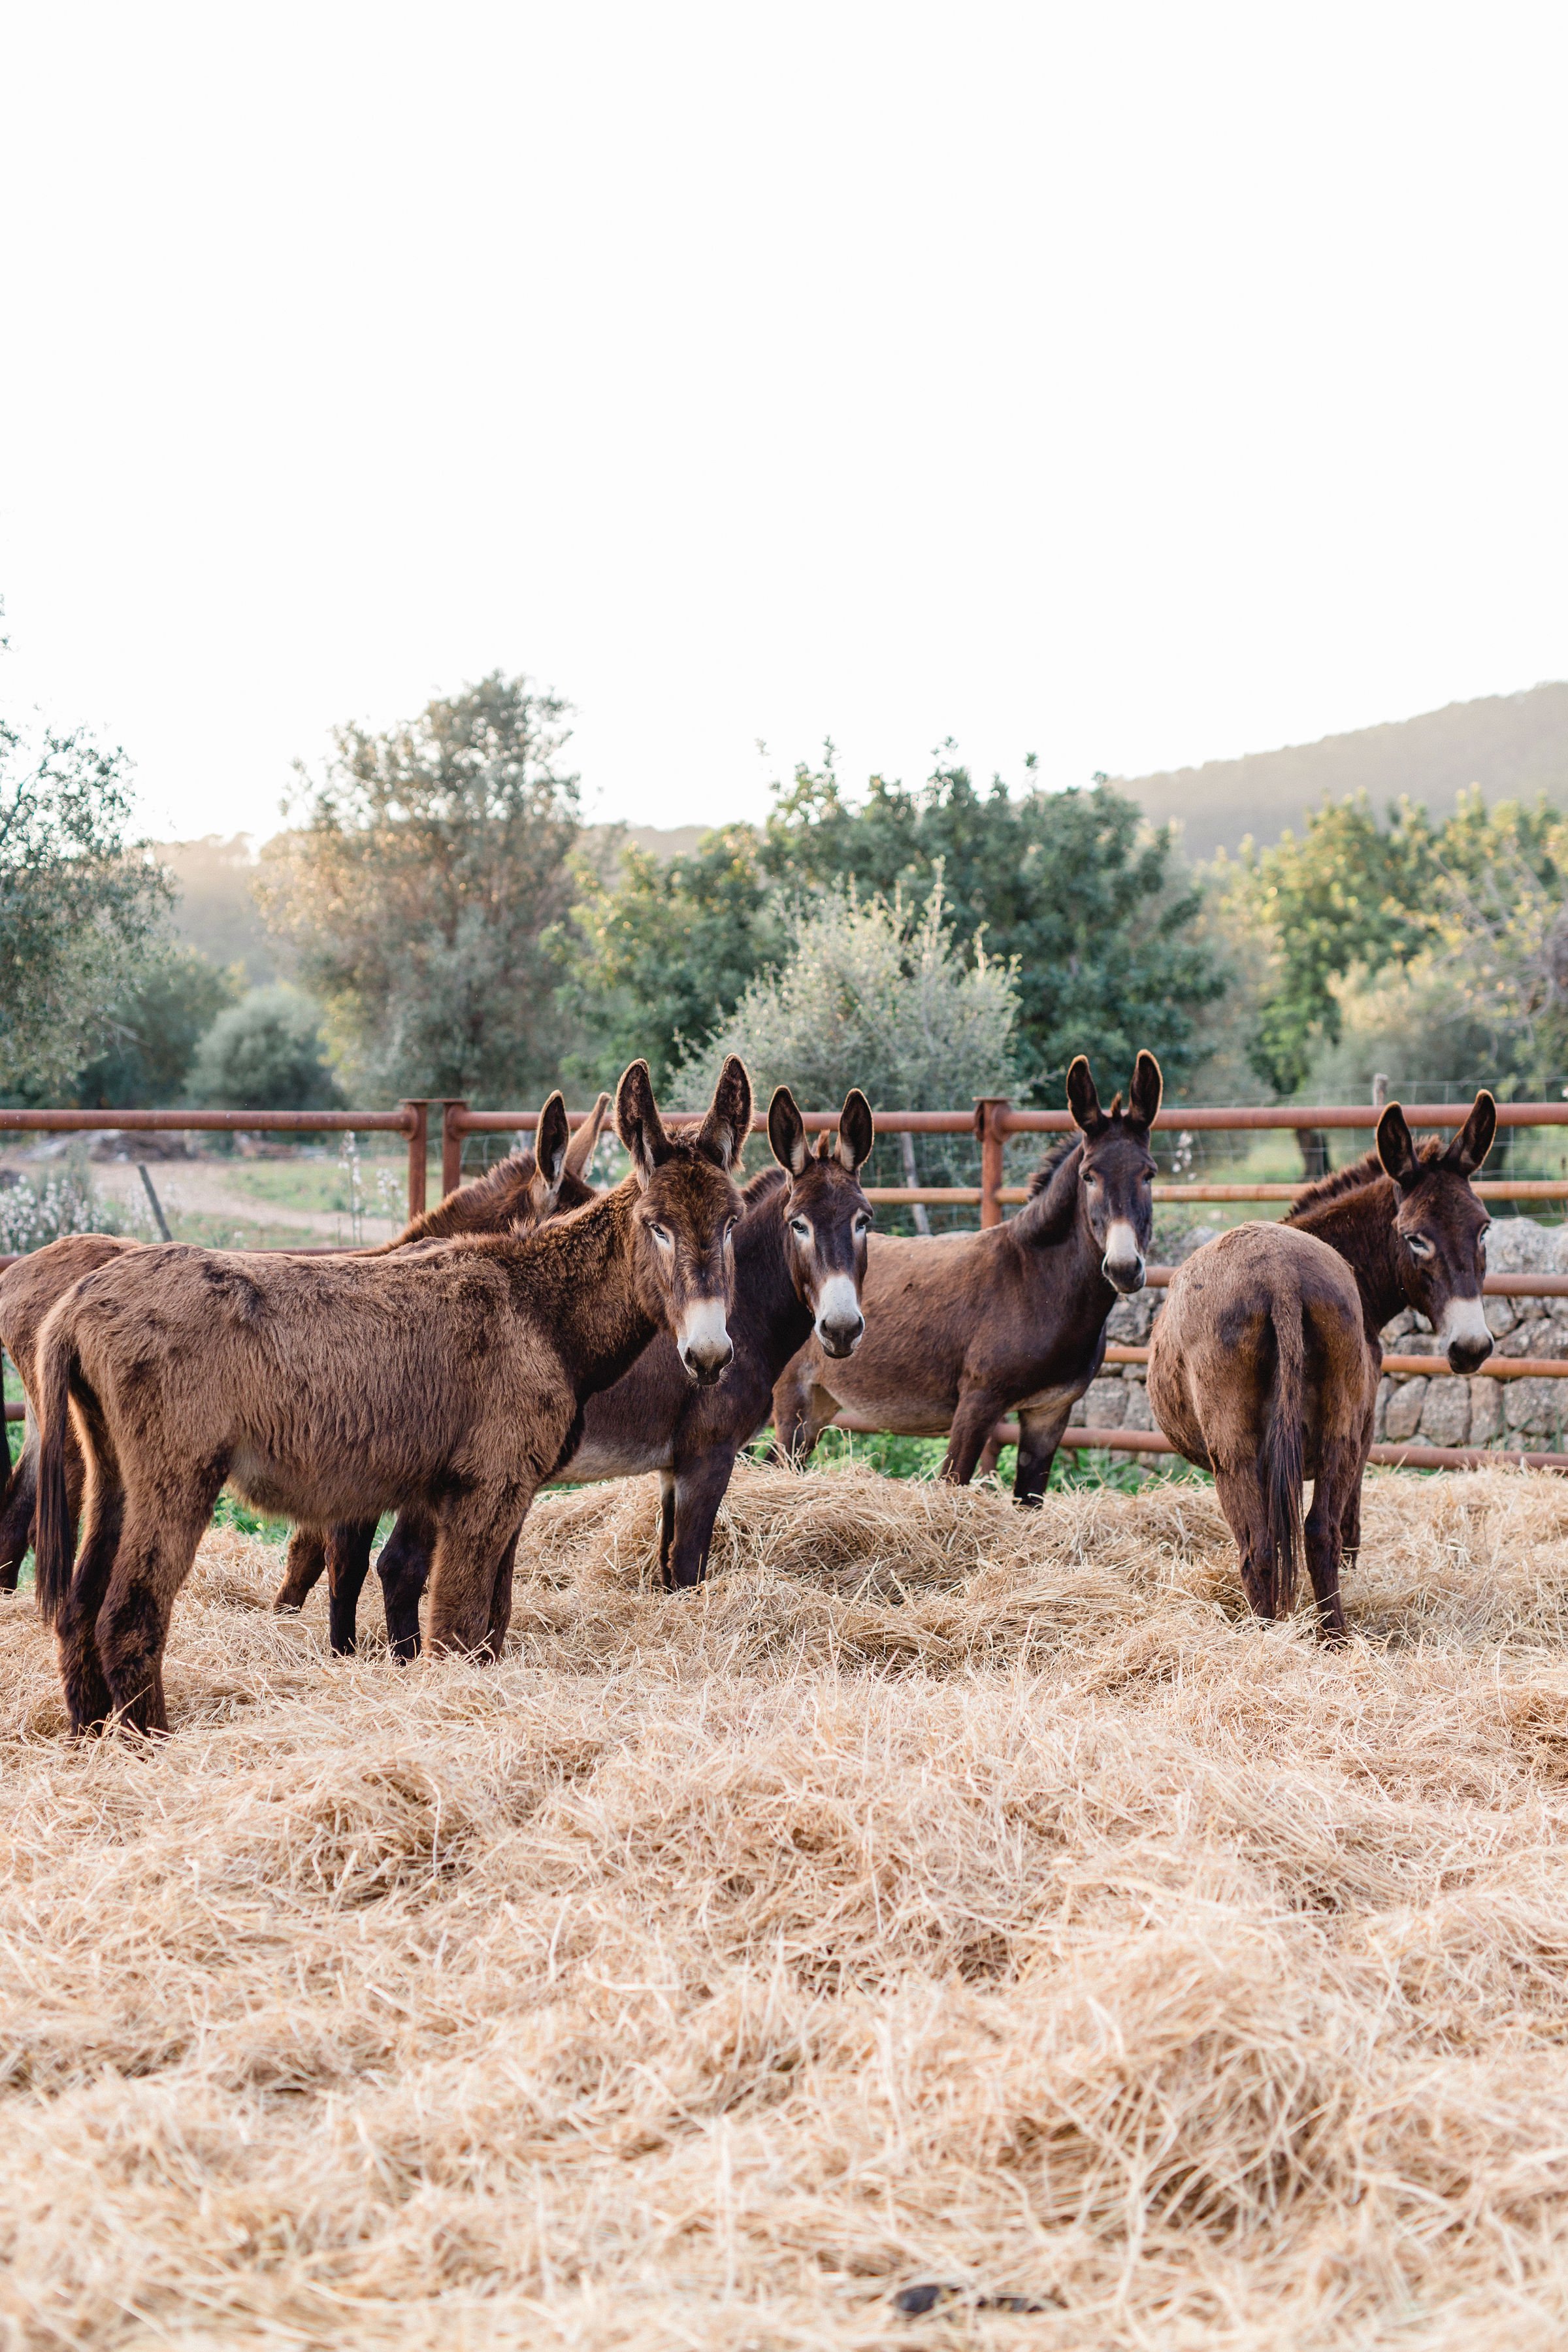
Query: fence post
(451, 1145)
(418, 1148)
(991, 1130)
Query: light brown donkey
(451, 1378)
(1266, 1357)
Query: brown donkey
(508, 1198)
(800, 1259)
(1266, 1356)
(451, 1378)
(964, 1328)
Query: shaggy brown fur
(968, 1326)
(1265, 1358)
(508, 1198)
(451, 1378)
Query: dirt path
(197, 1187)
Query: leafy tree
(426, 891)
(154, 1030)
(80, 903)
(668, 948)
(263, 1053)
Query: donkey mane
(1051, 1162)
(766, 1181)
(1355, 1175)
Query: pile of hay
(944, 1893)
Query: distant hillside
(1513, 745)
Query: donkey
(451, 1378)
(800, 1260)
(962, 1328)
(1266, 1357)
(508, 1198)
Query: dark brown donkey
(1266, 1356)
(964, 1328)
(451, 1378)
(508, 1198)
(800, 1259)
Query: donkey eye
(663, 1236)
(863, 1222)
(1417, 1246)
(800, 1229)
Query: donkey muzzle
(1122, 1265)
(840, 1322)
(705, 1346)
(1463, 1333)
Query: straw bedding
(945, 1894)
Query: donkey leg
(157, 1547)
(1245, 1502)
(348, 1565)
(978, 1412)
(304, 1565)
(665, 1522)
(1039, 1435)
(1338, 1481)
(404, 1568)
(500, 1598)
(700, 1488)
(472, 1532)
(17, 1514)
(801, 1412)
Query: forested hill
(1513, 745)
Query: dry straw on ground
(944, 1893)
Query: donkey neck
(577, 1275)
(1358, 1224)
(769, 1311)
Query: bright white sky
(1132, 385)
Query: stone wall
(1434, 1409)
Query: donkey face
(827, 1216)
(1117, 1171)
(688, 1209)
(1440, 1229)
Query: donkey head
(1440, 1229)
(1117, 1168)
(827, 1216)
(684, 1265)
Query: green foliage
(80, 903)
(870, 995)
(1069, 886)
(424, 893)
(668, 948)
(1434, 952)
(38, 1209)
(154, 1029)
(263, 1053)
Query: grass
(944, 1893)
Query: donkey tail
(54, 1543)
(1287, 1453)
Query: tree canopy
(423, 891)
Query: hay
(944, 1893)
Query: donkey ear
(1395, 1147)
(586, 1142)
(1474, 1141)
(1082, 1100)
(1146, 1092)
(856, 1131)
(550, 1153)
(637, 1121)
(786, 1131)
(724, 1132)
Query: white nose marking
(836, 1302)
(705, 1331)
(1465, 1321)
(1121, 1243)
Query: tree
(80, 903)
(668, 948)
(426, 891)
(263, 1053)
(154, 1029)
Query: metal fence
(447, 1122)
